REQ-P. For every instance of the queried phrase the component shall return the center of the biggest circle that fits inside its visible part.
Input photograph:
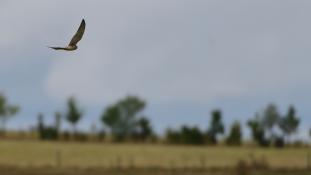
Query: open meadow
(60, 157)
(109, 155)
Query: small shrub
(66, 136)
(242, 168)
(101, 135)
(259, 164)
(172, 136)
(279, 142)
(81, 137)
(48, 133)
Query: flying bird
(75, 39)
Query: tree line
(124, 121)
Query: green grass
(92, 155)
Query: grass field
(92, 155)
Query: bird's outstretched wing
(57, 48)
(78, 36)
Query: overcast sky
(183, 57)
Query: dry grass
(99, 171)
(88, 155)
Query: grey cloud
(187, 51)
(164, 50)
(177, 51)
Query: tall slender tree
(6, 111)
(58, 120)
(270, 119)
(73, 113)
(216, 126)
(289, 123)
(235, 136)
(40, 125)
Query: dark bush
(101, 135)
(191, 136)
(66, 135)
(264, 142)
(279, 142)
(186, 135)
(299, 144)
(48, 133)
(172, 136)
(81, 136)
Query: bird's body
(75, 39)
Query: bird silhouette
(75, 39)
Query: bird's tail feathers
(56, 48)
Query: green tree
(145, 129)
(122, 117)
(290, 122)
(270, 118)
(6, 111)
(216, 126)
(73, 113)
(258, 131)
(235, 136)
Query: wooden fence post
(203, 162)
(58, 158)
(172, 167)
(131, 163)
(118, 163)
(309, 160)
